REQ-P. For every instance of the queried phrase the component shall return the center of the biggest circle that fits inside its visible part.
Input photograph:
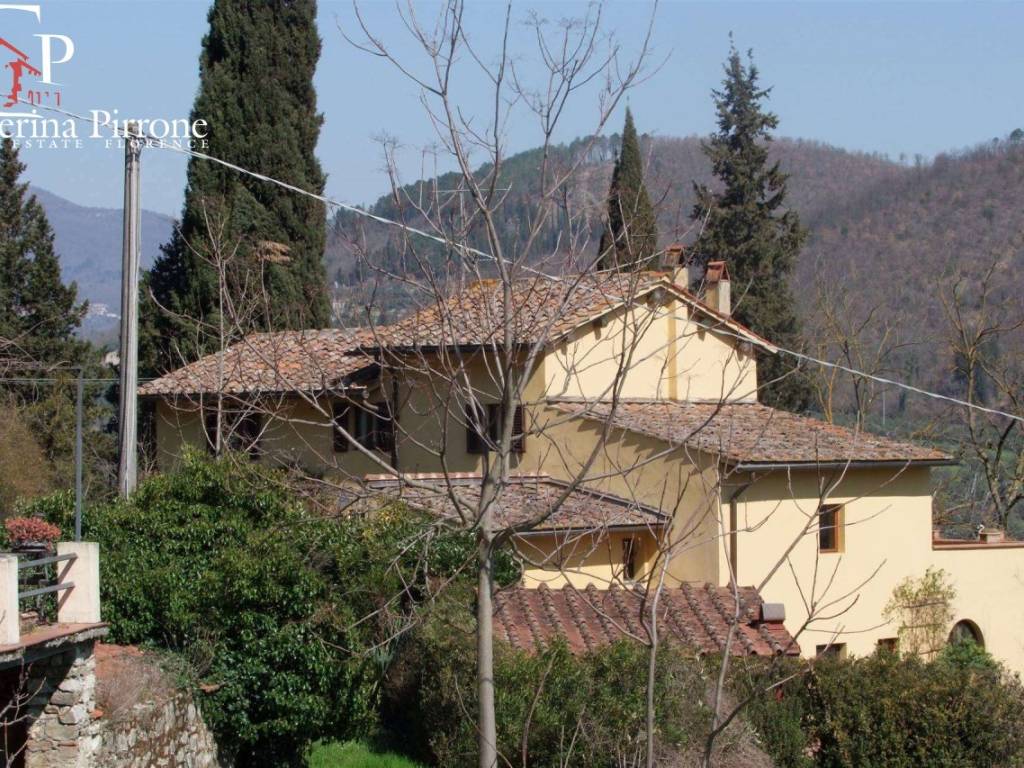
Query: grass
(353, 754)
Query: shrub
(561, 709)
(884, 710)
(25, 530)
(288, 617)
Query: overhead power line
(161, 144)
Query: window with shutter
(384, 427)
(340, 416)
(518, 431)
(484, 424)
(210, 427)
(476, 427)
(247, 433)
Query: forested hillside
(887, 239)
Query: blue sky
(897, 78)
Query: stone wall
(51, 706)
(61, 732)
(158, 734)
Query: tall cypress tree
(630, 236)
(256, 94)
(749, 227)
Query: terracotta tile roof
(750, 433)
(696, 615)
(286, 361)
(543, 308)
(525, 498)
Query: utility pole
(127, 412)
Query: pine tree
(39, 317)
(39, 314)
(747, 225)
(630, 237)
(256, 94)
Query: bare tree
(986, 340)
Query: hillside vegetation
(885, 238)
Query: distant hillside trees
(630, 236)
(746, 224)
(256, 94)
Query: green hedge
(959, 711)
(290, 617)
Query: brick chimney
(717, 293)
(675, 264)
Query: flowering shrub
(21, 530)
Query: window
(238, 431)
(966, 631)
(629, 558)
(483, 428)
(888, 645)
(830, 528)
(831, 651)
(341, 416)
(375, 428)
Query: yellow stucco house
(637, 420)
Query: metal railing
(41, 562)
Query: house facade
(639, 453)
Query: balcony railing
(76, 585)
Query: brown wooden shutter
(518, 430)
(340, 419)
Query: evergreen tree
(39, 316)
(38, 312)
(748, 226)
(256, 94)
(630, 236)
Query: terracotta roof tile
(694, 614)
(301, 361)
(543, 309)
(525, 498)
(750, 433)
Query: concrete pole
(128, 422)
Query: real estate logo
(53, 50)
(28, 82)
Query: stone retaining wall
(167, 734)
(55, 711)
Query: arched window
(965, 630)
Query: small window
(888, 645)
(830, 528)
(239, 431)
(341, 420)
(831, 651)
(483, 428)
(629, 558)
(374, 427)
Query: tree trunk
(488, 739)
